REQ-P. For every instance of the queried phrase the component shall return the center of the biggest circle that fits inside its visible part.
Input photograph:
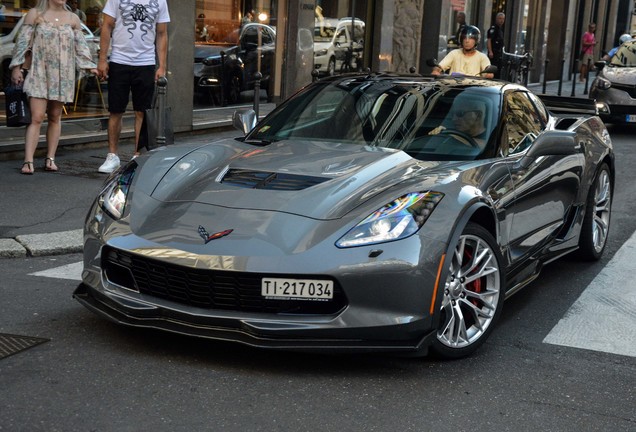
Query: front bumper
(615, 105)
(252, 332)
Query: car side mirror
(600, 64)
(490, 69)
(552, 143)
(244, 120)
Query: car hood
(312, 179)
(202, 51)
(620, 75)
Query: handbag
(17, 107)
(156, 127)
(28, 55)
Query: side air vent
(270, 180)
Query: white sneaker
(111, 164)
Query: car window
(323, 32)
(358, 33)
(394, 114)
(341, 36)
(541, 109)
(522, 122)
(9, 22)
(266, 37)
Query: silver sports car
(366, 213)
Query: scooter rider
(466, 60)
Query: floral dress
(57, 51)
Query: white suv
(333, 44)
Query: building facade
(398, 35)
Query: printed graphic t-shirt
(133, 39)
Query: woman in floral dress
(58, 48)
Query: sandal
(49, 164)
(29, 168)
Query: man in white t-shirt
(465, 60)
(139, 38)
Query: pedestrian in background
(587, 50)
(466, 60)
(460, 20)
(495, 43)
(132, 66)
(77, 11)
(53, 36)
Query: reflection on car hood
(313, 179)
(620, 75)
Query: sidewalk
(552, 88)
(93, 131)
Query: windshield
(324, 33)
(625, 55)
(425, 119)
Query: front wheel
(472, 297)
(331, 67)
(596, 222)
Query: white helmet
(624, 38)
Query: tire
(596, 222)
(472, 297)
(331, 67)
(233, 90)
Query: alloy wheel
(472, 293)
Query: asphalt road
(90, 374)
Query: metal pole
(222, 82)
(561, 76)
(545, 74)
(162, 82)
(574, 79)
(351, 36)
(587, 76)
(257, 92)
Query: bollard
(561, 77)
(576, 64)
(257, 92)
(587, 76)
(162, 82)
(222, 80)
(545, 74)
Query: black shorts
(122, 79)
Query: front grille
(270, 180)
(210, 289)
(629, 89)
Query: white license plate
(631, 118)
(298, 289)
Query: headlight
(394, 221)
(320, 53)
(115, 194)
(602, 83)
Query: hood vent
(270, 180)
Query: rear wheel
(472, 297)
(596, 222)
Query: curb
(36, 245)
